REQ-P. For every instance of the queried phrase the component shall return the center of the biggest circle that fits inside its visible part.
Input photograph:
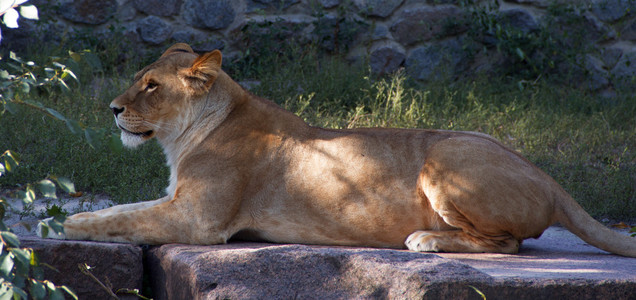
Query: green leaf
(29, 11)
(57, 223)
(63, 85)
(68, 72)
(73, 67)
(7, 165)
(11, 160)
(56, 294)
(68, 291)
(22, 255)
(44, 229)
(520, 53)
(75, 56)
(30, 194)
(27, 196)
(25, 87)
(47, 188)
(14, 155)
(59, 65)
(4, 75)
(20, 292)
(6, 265)
(92, 137)
(65, 184)
(10, 18)
(21, 258)
(74, 126)
(34, 260)
(9, 94)
(37, 289)
(49, 72)
(115, 144)
(11, 107)
(5, 292)
(10, 239)
(55, 114)
(34, 104)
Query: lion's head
(165, 96)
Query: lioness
(240, 166)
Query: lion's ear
(178, 47)
(203, 72)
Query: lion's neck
(203, 117)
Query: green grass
(586, 142)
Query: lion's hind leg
(459, 241)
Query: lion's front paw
(48, 233)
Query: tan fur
(241, 166)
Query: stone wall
(430, 38)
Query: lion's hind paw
(422, 241)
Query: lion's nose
(117, 110)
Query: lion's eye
(151, 86)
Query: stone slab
(556, 266)
(117, 265)
(270, 271)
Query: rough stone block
(436, 61)
(266, 271)
(556, 266)
(386, 58)
(613, 10)
(154, 30)
(120, 265)
(208, 14)
(378, 8)
(158, 7)
(424, 23)
(92, 12)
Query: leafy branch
(20, 269)
(10, 15)
(14, 91)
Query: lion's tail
(571, 215)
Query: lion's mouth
(141, 134)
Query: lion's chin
(131, 140)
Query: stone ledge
(556, 266)
(258, 270)
(269, 271)
(117, 264)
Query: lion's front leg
(120, 208)
(155, 222)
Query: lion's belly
(336, 195)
